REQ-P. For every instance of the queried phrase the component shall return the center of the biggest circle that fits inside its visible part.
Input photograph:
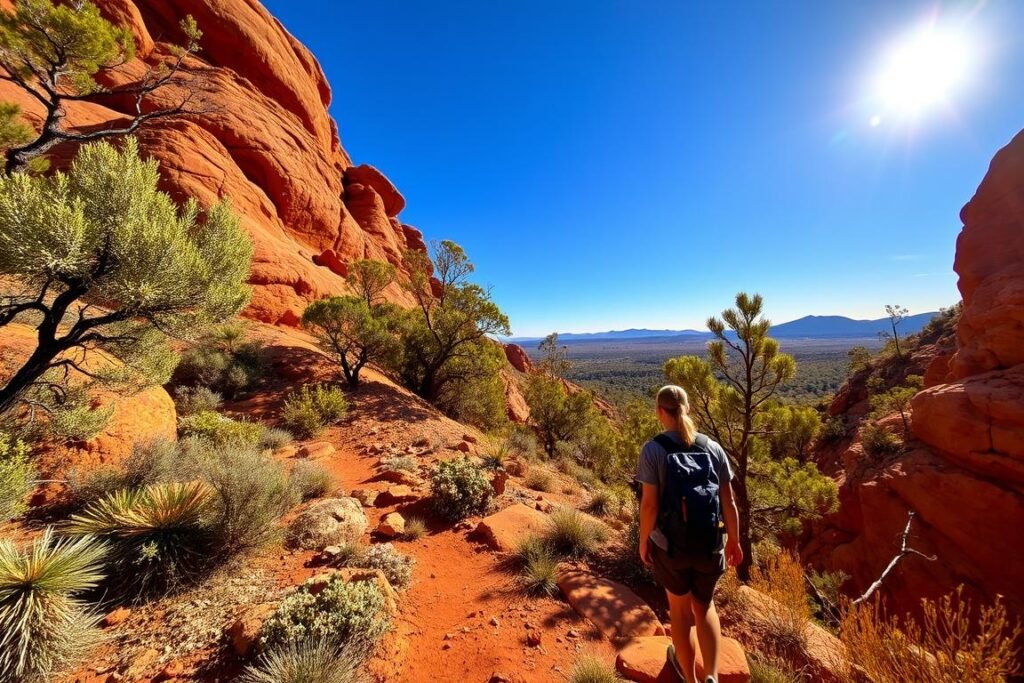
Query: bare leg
(709, 635)
(681, 616)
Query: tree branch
(904, 551)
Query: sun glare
(922, 71)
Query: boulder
(395, 495)
(505, 530)
(403, 477)
(316, 450)
(331, 521)
(644, 660)
(367, 497)
(615, 610)
(391, 525)
(518, 358)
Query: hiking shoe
(671, 657)
(710, 679)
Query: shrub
(44, 628)
(521, 443)
(878, 442)
(252, 491)
(306, 662)
(773, 670)
(406, 463)
(339, 612)
(590, 669)
(395, 566)
(833, 429)
(540, 480)
(603, 503)
(157, 536)
(159, 461)
(79, 422)
(311, 480)
(460, 489)
(572, 534)
(415, 528)
(952, 641)
(220, 430)
(780, 577)
(16, 477)
(538, 567)
(312, 408)
(224, 362)
(197, 399)
(275, 439)
(496, 457)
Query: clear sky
(611, 164)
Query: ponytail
(675, 402)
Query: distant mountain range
(808, 327)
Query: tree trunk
(743, 507)
(34, 368)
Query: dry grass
(782, 578)
(950, 643)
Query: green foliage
(308, 661)
(405, 463)
(311, 409)
(222, 361)
(16, 477)
(572, 534)
(896, 400)
(103, 233)
(791, 430)
(773, 670)
(447, 353)
(44, 627)
(896, 314)
(157, 536)
(198, 399)
(460, 489)
(311, 480)
(730, 394)
(829, 585)
(13, 132)
(397, 568)
(355, 332)
(554, 359)
(275, 439)
(859, 357)
(590, 669)
(538, 567)
(220, 429)
(603, 503)
(369, 279)
(521, 442)
(337, 613)
(159, 461)
(557, 413)
(833, 429)
(878, 441)
(785, 494)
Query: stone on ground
(616, 611)
(400, 493)
(316, 450)
(331, 521)
(644, 660)
(391, 525)
(505, 530)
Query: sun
(923, 71)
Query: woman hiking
(687, 495)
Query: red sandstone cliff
(964, 473)
(266, 141)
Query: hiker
(686, 493)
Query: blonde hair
(675, 402)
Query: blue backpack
(690, 511)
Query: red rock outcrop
(964, 476)
(265, 140)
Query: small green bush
(878, 441)
(275, 439)
(79, 422)
(306, 662)
(16, 477)
(522, 442)
(571, 533)
(833, 429)
(197, 399)
(773, 670)
(603, 503)
(44, 627)
(311, 409)
(224, 363)
(460, 489)
(406, 463)
(590, 669)
(340, 612)
(415, 529)
(395, 566)
(540, 480)
(311, 480)
(158, 461)
(220, 430)
(157, 536)
(538, 567)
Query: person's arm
(648, 518)
(733, 550)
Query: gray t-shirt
(652, 469)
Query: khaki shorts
(688, 574)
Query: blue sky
(611, 164)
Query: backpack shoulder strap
(701, 441)
(667, 443)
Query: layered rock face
(265, 140)
(965, 476)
